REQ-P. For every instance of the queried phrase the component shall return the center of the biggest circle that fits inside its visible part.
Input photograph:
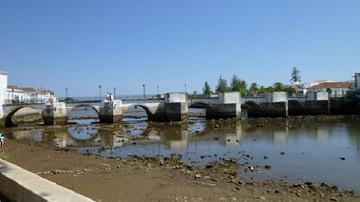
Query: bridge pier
(170, 112)
(223, 111)
(54, 114)
(227, 106)
(174, 109)
(110, 112)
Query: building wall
(19, 95)
(335, 92)
(3, 87)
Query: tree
(235, 83)
(295, 76)
(222, 86)
(290, 90)
(254, 88)
(278, 86)
(238, 85)
(329, 91)
(207, 90)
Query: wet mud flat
(155, 179)
(196, 160)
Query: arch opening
(82, 114)
(23, 115)
(197, 111)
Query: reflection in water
(312, 152)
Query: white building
(3, 87)
(27, 95)
(335, 89)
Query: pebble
(267, 167)
(262, 198)
(251, 168)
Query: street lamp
(157, 89)
(185, 87)
(66, 93)
(114, 93)
(144, 89)
(100, 92)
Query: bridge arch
(12, 112)
(82, 105)
(251, 108)
(146, 109)
(250, 105)
(198, 105)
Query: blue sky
(80, 44)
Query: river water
(321, 151)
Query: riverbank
(147, 179)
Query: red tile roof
(345, 84)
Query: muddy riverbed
(271, 159)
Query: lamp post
(144, 89)
(157, 89)
(66, 93)
(100, 92)
(185, 87)
(114, 93)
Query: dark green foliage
(222, 86)
(69, 99)
(207, 89)
(350, 99)
(295, 75)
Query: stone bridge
(175, 107)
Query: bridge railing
(26, 101)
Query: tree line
(239, 85)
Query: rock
(209, 166)
(342, 158)
(333, 199)
(282, 153)
(197, 176)
(267, 167)
(262, 198)
(252, 168)
(265, 157)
